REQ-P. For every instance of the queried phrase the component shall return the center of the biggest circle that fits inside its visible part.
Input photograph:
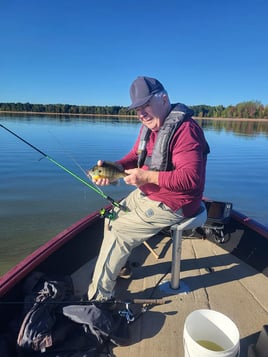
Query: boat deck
(210, 278)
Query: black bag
(52, 327)
(100, 322)
(36, 329)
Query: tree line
(249, 109)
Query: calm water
(38, 199)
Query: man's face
(152, 113)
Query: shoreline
(125, 116)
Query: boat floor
(211, 278)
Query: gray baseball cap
(142, 90)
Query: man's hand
(138, 177)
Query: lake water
(38, 199)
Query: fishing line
(97, 190)
(71, 157)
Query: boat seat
(176, 234)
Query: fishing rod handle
(149, 301)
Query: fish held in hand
(108, 170)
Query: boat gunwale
(250, 223)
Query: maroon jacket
(182, 187)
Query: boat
(224, 267)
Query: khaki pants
(127, 231)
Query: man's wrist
(153, 177)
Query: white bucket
(210, 327)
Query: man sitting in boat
(167, 165)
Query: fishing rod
(160, 301)
(126, 312)
(97, 190)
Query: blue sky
(87, 52)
